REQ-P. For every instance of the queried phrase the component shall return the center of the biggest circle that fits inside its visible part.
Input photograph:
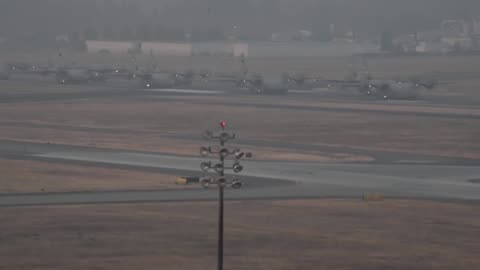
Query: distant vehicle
(186, 180)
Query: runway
(264, 180)
(391, 174)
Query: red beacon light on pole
(223, 124)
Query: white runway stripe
(185, 91)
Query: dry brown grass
(38, 176)
(306, 234)
(153, 124)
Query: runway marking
(394, 101)
(416, 161)
(184, 91)
(312, 91)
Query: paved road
(444, 182)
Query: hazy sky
(250, 16)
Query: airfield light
(205, 182)
(237, 168)
(239, 154)
(218, 168)
(236, 184)
(223, 137)
(204, 151)
(205, 166)
(224, 152)
(222, 181)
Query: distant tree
(386, 41)
(143, 32)
(243, 37)
(90, 33)
(126, 33)
(322, 35)
(76, 43)
(457, 47)
(174, 34)
(109, 33)
(158, 33)
(214, 34)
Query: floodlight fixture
(222, 181)
(237, 167)
(239, 154)
(237, 184)
(205, 150)
(205, 182)
(218, 168)
(224, 152)
(205, 166)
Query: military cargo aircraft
(4, 72)
(153, 77)
(401, 89)
(256, 83)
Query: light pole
(221, 181)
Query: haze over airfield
(253, 18)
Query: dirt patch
(305, 234)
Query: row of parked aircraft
(152, 77)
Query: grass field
(37, 176)
(312, 234)
(295, 234)
(174, 125)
